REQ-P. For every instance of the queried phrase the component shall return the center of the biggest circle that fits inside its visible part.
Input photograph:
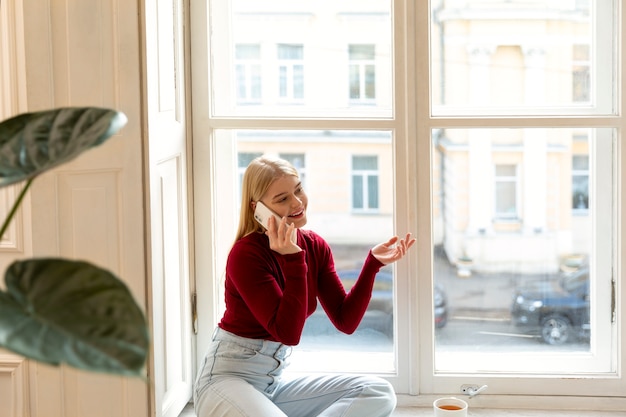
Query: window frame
(412, 118)
(604, 116)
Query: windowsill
(517, 406)
(484, 412)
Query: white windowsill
(484, 412)
(481, 412)
(518, 406)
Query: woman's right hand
(280, 236)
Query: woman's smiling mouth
(298, 214)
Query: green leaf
(61, 311)
(32, 143)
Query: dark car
(379, 314)
(557, 309)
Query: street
(461, 333)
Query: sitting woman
(274, 278)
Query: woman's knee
(381, 395)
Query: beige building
(513, 199)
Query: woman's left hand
(392, 250)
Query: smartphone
(262, 215)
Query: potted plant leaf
(57, 310)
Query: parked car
(379, 314)
(557, 309)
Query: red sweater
(269, 296)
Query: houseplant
(57, 310)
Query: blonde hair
(259, 175)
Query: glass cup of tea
(450, 407)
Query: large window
(492, 131)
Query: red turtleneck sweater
(269, 296)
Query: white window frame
(412, 124)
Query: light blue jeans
(242, 377)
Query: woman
(272, 286)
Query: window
(248, 69)
(580, 74)
(542, 281)
(243, 159)
(297, 160)
(362, 72)
(290, 72)
(580, 182)
(364, 183)
(506, 192)
(486, 124)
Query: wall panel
(87, 53)
(13, 386)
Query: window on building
(243, 160)
(476, 119)
(364, 183)
(362, 72)
(506, 192)
(297, 160)
(580, 182)
(290, 72)
(581, 81)
(248, 70)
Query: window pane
(290, 52)
(370, 82)
(372, 191)
(362, 52)
(364, 163)
(365, 182)
(252, 52)
(355, 81)
(324, 57)
(524, 276)
(357, 192)
(298, 81)
(580, 181)
(506, 191)
(241, 82)
(513, 56)
(248, 76)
